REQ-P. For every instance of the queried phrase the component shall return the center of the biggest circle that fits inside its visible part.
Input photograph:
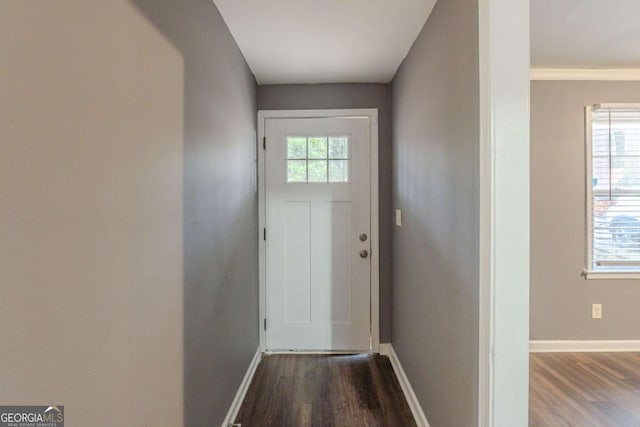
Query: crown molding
(621, 74)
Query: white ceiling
(324, 41)
(585, 33)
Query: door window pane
(317, 171)
(338, 147)
(297, 147)
(317, 147)
(296, 171)
(338, 170)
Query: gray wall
(220, 206)
(360, 95)
(436, 183)
(128, 216)
(560, 298)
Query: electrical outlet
(399, 217)
(596, 311)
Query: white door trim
(504, 213)
(372, 114)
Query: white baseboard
(308, 352)
(568, 346)
(242, 390)
(386, 349)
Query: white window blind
(614, 189)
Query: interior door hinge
(264, 233)
(265, 323)
(264, 142)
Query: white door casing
(317, 291)
(504, 213)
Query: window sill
(611, 275)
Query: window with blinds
(613, 188)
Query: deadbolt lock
(363, 237)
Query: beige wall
(91, 217)
(560, 298)
(113, 145)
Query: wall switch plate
(399, 217)
(596, 311)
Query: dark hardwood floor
(325, 390)
(584, 390)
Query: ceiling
(327, 41)
(324, 41)
(585, 33)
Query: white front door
(318, 234)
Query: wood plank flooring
(325, 390)
(584, 390)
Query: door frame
(503, 381)
(372, 115)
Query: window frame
(328, 159)
(589, 273)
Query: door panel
(318, 287)
(297, 304)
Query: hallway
(335, 390)
(166, 225)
